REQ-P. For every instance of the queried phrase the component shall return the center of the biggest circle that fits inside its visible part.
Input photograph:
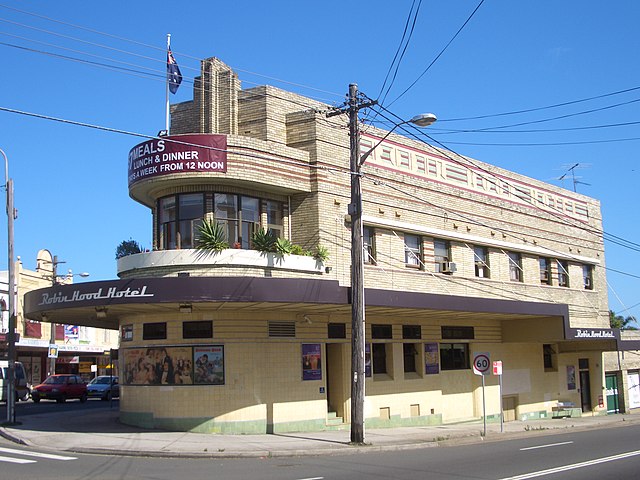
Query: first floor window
(154, 331)
(587, 276)
(368, 245)
(515, 266)
(549, 357)
(454, 356)
(545, 271)
(442, 255)
(563, 273)
(413, 250)
(481, 259)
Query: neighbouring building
(81, 349)
(464, 262)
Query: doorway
(613, 401)
(337, 391)
(585, 384)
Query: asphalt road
(610, 453)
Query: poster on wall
(208, 365)
(311, 361)
(158, 366)
(431, 364)
(633, 384)
(571, 377)
(71, 332)
(367, 360)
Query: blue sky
(71, 182)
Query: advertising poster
(311, 364)
(431, 364)
(71, 332)
(571, 377)
(158, 366)
(208, 364)
(633, 382)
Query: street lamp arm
(421, 120)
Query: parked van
(22, 391)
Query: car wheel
(83, 398)
(35, 398)
(107, 396)
(62, 399)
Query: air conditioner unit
(448, 267)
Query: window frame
(546, 277)
(481, 263)
(563, 273)
(369, 245)
(413, 254)
(448, 360)
(441, 246)
(197, 332)
(516, 273)
(148, 332)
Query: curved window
(239, 216)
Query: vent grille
(282, 329)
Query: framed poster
(311, 361)
(571, 377)
(431, 363)
(208, 365)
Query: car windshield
(55, 380)
(100, 381)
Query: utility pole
(11, 353)
(357, 265)
(52, 336)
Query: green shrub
(211, 236)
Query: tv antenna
(572, 171)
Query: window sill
(412, 376)
(382, 377)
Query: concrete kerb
(129, 442)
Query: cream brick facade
(282, 149)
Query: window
(379, 354)
(545, 270)
(365, 146)
(178, 219)
(154, 331)
(563, 273)
(225, 207)
(413, 332)
(368, 245)
(409, 354)
(385, 154)
(421, 164)
(275, 222)
(454, 356)
(587, 276)
(442, 256)
(413, 250)
(549, 358)
(381, 332)
(457, 333)
(515, 266)
(481, 259)
(198, 329)
(337, 330)
(249, 220)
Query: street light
(58, 280)
(11, 350)
(357, 259)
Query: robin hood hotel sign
(177, 154)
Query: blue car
(104, 387)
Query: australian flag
(174, 77)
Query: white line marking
(546, 446)
(312, 478)
(574, 466)
(16, 460)
(36, 454)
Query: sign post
(497, 370)
(481, 364)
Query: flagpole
(167, 86)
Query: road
(610, 453)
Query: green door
(612, 393)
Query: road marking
(546, 446)
(574, 466)
(16, 460)
(312, 478)
(27, 453)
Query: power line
(439, 54)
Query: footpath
(100, 432)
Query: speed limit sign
(481, 363)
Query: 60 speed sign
(481, 363)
